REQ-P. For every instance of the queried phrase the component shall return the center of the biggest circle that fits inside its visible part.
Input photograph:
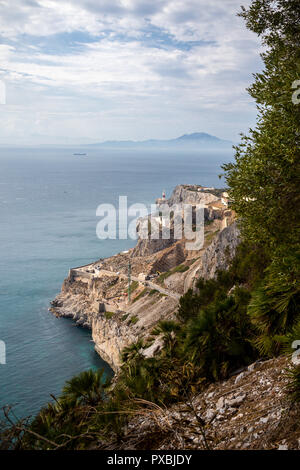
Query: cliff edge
(95, 296)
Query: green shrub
(178, 269)
(163, 276)
(161, 380)
(274, 307)
(133, 286)
(189, 306)
(69, 420)
(132, 351)
(217, 339)
(293, 386)
(153, 292)
(247, 268)
(134, 319)
(288, 340)
(84, 388)
(140, 295)
(108, 315)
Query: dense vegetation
(248, 312)
(264, 181)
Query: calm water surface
(48, 201)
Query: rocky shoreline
(94, 296)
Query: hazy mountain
(197, 139)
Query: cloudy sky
(92, 70)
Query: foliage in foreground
(294, 384)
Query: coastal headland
(96, 296)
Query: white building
(225, 198)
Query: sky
(83, 71)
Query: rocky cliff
(115, 322)
(218, 255)
(96, 301)
(96, 296)
(188, 194)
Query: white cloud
(140, 74)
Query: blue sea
(48, 201)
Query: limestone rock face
(114, 325)
(154, 348)
(220, 252)
(216, 256)
(181, 195)
(146, 247)
(188, 195)
(111, 338)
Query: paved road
(189, 279)
(174, 295)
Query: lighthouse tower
(162, 199)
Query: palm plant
(168, 330)
(217, 339)
(86, 388)
(133, 351)
(274, 307)
(293, 386)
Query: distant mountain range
(197, 139)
